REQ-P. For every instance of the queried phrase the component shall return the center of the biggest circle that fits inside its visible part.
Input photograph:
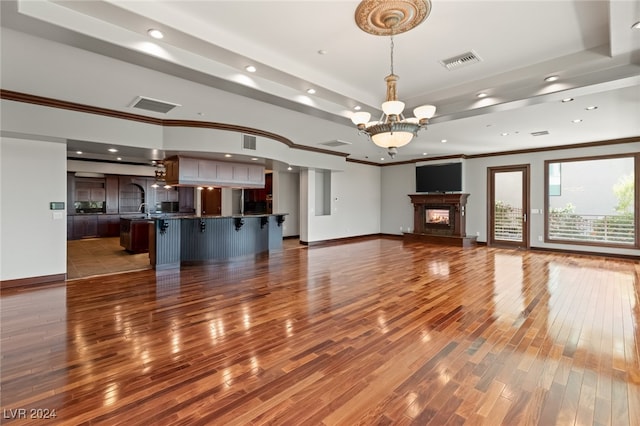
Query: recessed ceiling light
(250, 68)
(381, 158)
(119, 158)
(227, 155)
(504, 134)
(357, 107)
(567, 100)
(481, 95)
(289, 168)
(112, 150)
(322, 52)
(311, 91)
(424, 153)
(636, 26)
(79, 152)
(591, 108)
(157, 34)
(254, 159)
(551, 78)
(577, 120)
(443, 141)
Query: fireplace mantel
(453, 232)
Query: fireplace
(440, 218)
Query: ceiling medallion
(389, 17)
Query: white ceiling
(590, 45)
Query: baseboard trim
(586, 253)
(347, 239)
(32, 281)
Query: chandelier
(160, 178)
(393, 130)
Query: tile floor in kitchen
(99, 256)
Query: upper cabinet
(196, 171)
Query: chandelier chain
(391, 53)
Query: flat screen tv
(439, 178)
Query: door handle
(524, 217)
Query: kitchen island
(175, 241)
(134, 234)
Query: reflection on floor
(99, 256)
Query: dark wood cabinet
(111, 187)
(134, 235)
(109, 225)
(70, 227)
(85, 226)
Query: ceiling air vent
(458, 61)
(540, 133)
(154, 105)
(335, 143)
(248, 142)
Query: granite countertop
(218, 217)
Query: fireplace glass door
(508, 188)
(437, 216)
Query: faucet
(148, 213)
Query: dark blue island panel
(176, 241)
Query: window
(592, 201)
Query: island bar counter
(187, 240)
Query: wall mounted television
(439, 178)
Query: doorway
(211, 199)
(508, 206)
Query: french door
(508, 209)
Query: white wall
(395, 205)
(476, 185)
(398, 181)
(286, 199)
(32, 174)
(355, 204)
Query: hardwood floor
(375, 331)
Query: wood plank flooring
(375, 331)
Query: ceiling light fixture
(311, 91)
(112, 150)
(157, 34)
(357, 107)
(591, 108)
(577, 120)
(250, 68)
(160, 175)
(636, 26)
(567, 100)
(551, 78)
(481, 95)
(392, 130)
